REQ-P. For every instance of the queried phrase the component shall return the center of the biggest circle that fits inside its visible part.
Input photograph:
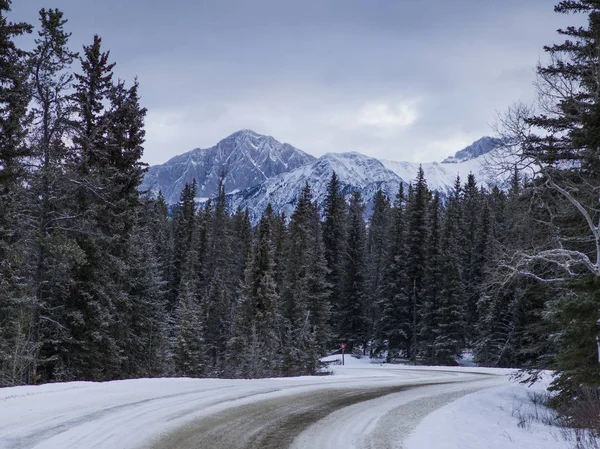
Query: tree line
(414, 283)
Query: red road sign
(343, 345)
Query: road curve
(373, 417)
(363, 405)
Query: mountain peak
(243, 138)
(245, 134)
(476, 149)
(246, 157)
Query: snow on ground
(365, 365)
(136, 413)
(490, 419)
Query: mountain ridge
(478, 148)
(245, 157)
(260, 170)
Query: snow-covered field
(361, 405)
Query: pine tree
(90, 349)
(199, 243)
(189, 350)
(417, 236)
(122, 175)
(318, 288)
(512, 329)
(394, 309)
(51, 255)
(450, 319)
(279, 230)
(161, 233)
(354, 325)
(91, 92)
(106, 172)
(335, 240)
(255, 345)
(144, 320)
(433, 284)
(184, 226)
(377, 247)
(16, 351)
(470, 208)
(305, 305)
(220, 284)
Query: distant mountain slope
(441, 177)
(247, 158)
(355, 172)
(476, 149)
(260, 170)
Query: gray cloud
(396, 79)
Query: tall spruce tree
(279, 230)
(16, 351)
(470, 208)
(184, 225)
(305, 297)
(417, 236)
(106, 171)
(89, 349)
(119, 176)
(161, 234)
(256, 347)
(377, 248)
(144, 330)
(334, 238)
(354, 322)
(220, 283)
(394, 310)
(190, 354)
(319, 290)
(450, 320)
(51, 253)
(433, 284)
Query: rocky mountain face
(260, 170)
(245, 157)
(355, 172)
(476, 149)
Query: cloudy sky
(397, 79)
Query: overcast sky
(396, 79)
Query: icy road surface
(361, 406)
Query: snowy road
(362, 406)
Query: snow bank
(495, 418)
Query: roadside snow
(135, 413)
(489, 419)
(370, 367)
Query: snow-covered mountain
(247, 159)
(354, 170)
(261, 170)
(357, 172)
(442, 176)
(476, 149)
